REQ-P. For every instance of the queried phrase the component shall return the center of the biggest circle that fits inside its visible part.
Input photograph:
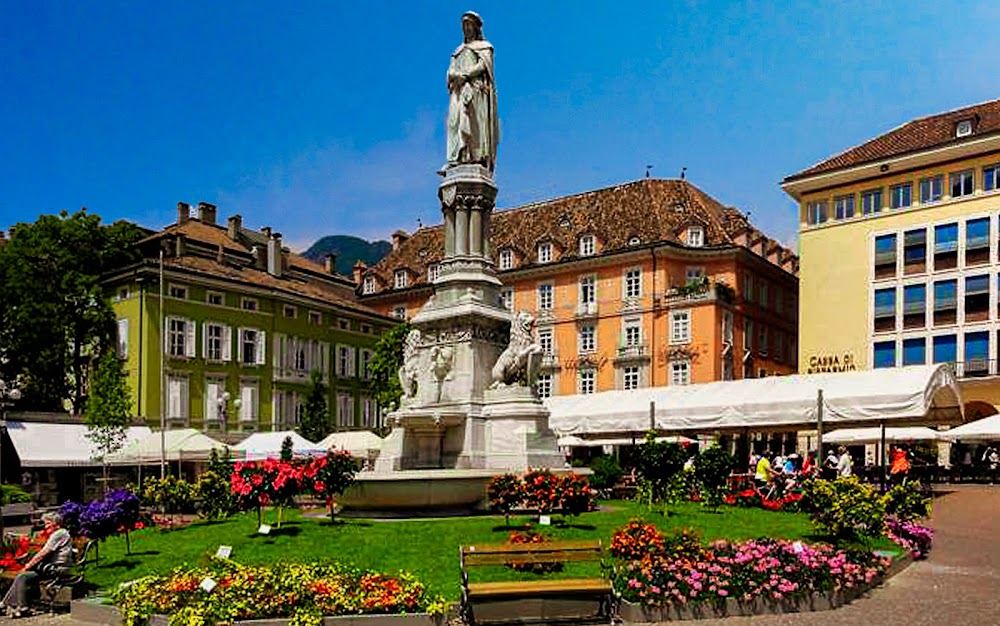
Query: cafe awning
(916, 395)
(52, 444)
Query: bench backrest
(531, 553)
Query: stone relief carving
(518, 363)
(409, 371)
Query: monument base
(507, 431)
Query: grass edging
(631, 613)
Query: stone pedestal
(454, 419)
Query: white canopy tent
(358, 443)
(985, 429)
(895, 434)
(904, 395)
(572, 441)
(49, 444)
(185, 444)
(266, 445)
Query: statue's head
(472, 26)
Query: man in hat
(473, 126)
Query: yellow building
(899, 252)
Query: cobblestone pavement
(959, 584)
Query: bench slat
(540, 587)
(533, 547)
(551, 556)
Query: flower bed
(760, 571)
(304, 593)
(910, 536)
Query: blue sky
(321, 118)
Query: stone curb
(631, 613)
(86, 610)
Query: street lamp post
(223, 404)
(8, 395)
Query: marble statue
(514, 366)
(473, 126)
(409, 371)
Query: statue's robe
(473, 125)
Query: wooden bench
(553, 597)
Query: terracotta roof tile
(205, 238)
(654, 210)
(920, 134)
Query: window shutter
(351, 362)
(166, 335)
(185, 398)
(173, 397)
(204, 339)
(247, 408)
(240, 333)
(227, 344)
(123, 338)
(261, 346)
(211, 400)
(325, 351)
(189, 339)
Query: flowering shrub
(910, 536)
(330, 476)
(636, 540)
(505, 494)
(845, 509)
(116, 513)
(258, 484)
(763, 569)
(531, 537)
(302, 592)
(907, 502)
(16, 550)
(541, 491)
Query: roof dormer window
(506, 259)
(634, 241)
(400, 280)
(545, 252)
(369, 285)
(695, 236)
(963, 128)
(588, 245)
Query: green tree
(53, 308)
(108, 403)
(315, 424)
(385, 364)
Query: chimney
(183, 212)
(266, 230)
(206, 213)
(275, 259)
(398, 238)
(359, 271)
(234, 224)
(331, 261)
(259, 254)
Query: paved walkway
(959, 585)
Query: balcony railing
(550, 360)
(586, 309)
(975, 368)
(633, 351)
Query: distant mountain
(349, 250)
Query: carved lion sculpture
(513, 365)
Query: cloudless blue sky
(321, 118)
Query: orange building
(647, 283)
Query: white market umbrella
(357, 443)
(185, 444)
(268, 445)
(895, 434)
(985, 429)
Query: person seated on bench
(55, 558)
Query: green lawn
(427, 547)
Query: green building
(242, 325)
